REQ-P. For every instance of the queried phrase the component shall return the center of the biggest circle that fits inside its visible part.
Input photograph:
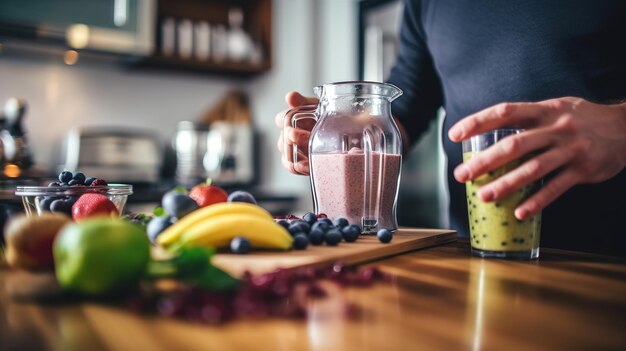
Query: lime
(100, 255)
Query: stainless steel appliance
(114, 154)
(223, 152)
(14, 151)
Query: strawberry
(205, 194)
(91, 205)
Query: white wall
(314, 42)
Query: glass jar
(354, 152)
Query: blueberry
(177, 204)
(240, 245)
(65, 176)
(157, 225)
(316, 237)
(299, 227)
(325, 220)
(300, 241)
(241, 196)
(89, 180)
(79, 177)
(45, 203)
(63, 184)
(54, 184)
(323, 226)
(384, 235)
(74, 182)
(310, 218)
(332, 237)
(351, 233)
(61, 205)
(283, 223)
(340, 222)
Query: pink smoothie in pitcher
(339, 184)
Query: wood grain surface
(367, 248)
(440, 299)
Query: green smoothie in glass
(494, 230)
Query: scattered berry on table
(65, 176)
(178, 204)
(241, 196)
(323, 226)
(341, 222)
(326, 220)
(283, 223)
(299, 226)
(316, 237)
(384, 235)
(333, 237)
(157, 225)
(240, 245)
(300, 241)
(310, 218)
(351, 232)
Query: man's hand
(294, 136)
(579, 141)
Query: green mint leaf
(159, 212)
(181, 189)
(213, 278)
(192, 260)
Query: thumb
(295, 99)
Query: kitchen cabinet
(212, 36)
(231, 37)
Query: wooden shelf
(240, 69)
(257, 23)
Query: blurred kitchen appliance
(223, 151)
(14, 151)
(221, 146)
(114, 154)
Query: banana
(219, 231)
(173, 233)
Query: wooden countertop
(441, 299)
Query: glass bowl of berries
(76, 195)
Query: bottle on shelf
(240, 45)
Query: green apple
(101, 255)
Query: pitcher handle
(374, 143)
(295, 119)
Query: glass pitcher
(354, 152)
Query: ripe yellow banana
(219, 231)
(173, 233)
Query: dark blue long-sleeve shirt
(468, 55)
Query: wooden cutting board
(367, 248)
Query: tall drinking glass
(494, 229)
